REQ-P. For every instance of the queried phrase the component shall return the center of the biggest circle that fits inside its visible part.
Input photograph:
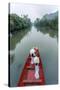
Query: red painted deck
(27, 76)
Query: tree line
(17, 23)
(52, 24)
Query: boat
(27, 75)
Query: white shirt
(37, 71)
(36, 60)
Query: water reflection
(17, 36)
(46, 30)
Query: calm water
(47, 43)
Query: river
(47, 43)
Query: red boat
(27, 76)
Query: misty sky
(33, 10)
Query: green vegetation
(52, 24)
(18, 23)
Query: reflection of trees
(18, 26)
(45, 30)
(17, 36)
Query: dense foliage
(17, 23)
(53, 24)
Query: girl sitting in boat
(35, 61)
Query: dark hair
(36, 64)
(33, 55)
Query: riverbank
(17, 23)
(48, 20)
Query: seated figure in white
(35, 60)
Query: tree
(17, 23)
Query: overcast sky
(33, 10)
